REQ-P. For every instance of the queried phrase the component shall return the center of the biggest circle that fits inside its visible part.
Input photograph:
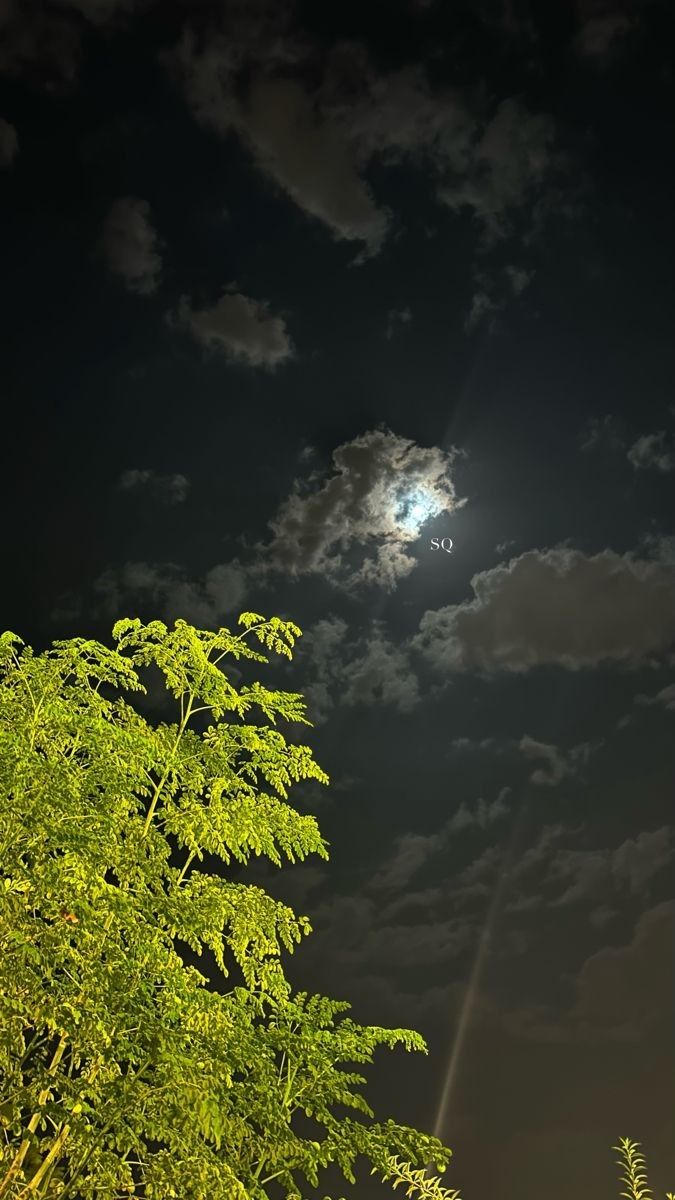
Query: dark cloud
(559, 607)
(482, 308)
(494, 160)
(9, 143)
(621, 992)
(361, 668)
(317, 143)
(414, 851)
(601, 35)
(602, 433)
(167, 489)
(41, 41)
(242, 329)
(39, 44)
(627, 988)
(638, 860)
(494, 291)
(304, 152)
(653, 451)
(559, 876)
(397, 318)
(99, 12)
(666, 697)
(558, 764)
(165, 589)
(130, 245)
(508, 166)
(649, 451)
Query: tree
(125, 1071)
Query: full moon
(414, 509)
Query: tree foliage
(124, 1070)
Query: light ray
(473, 985)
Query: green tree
(124, 1070)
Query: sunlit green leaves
(124, 1069)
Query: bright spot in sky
(415, 509)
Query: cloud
(317, 141)
(492, 165)
(380, 673)
(558, 764)
(412, 851)
(396, 319)
(99, 12)
(395, 117)
(480, 815)
(506, 168)
(163, 590)
(9, 143)
(38, 44)
(494, 293)
(130, 245)
(482, 306)
(596, 875)
(666, 697)
(168, 489)
(304, 152)
(519, 278)
(365, 669)
(639, 859)
(602, 433)
(381, 490)
(363, 938)
(622, 993)
(309, 158)
(242, 329)
(600, 36)
(652, 452)
(555, 607)
(626, 989)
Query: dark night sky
(288, 290)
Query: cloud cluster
(413, 851)
(557, 764)
(316, 143)
(593, 874)
(653, 451)
(648, 452)
(494, 291)
(600, 35)
(39, 43)
(163, 590)
(382, 489)
(507, 165)
(621, 992)
(363, 669)
(167, 489)
(304, 153)
(242, 329)
(666, 697)
(396, 319)
(130, 244)
(41, 40)
(555, 607)
(9, 143)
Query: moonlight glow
(416, 508)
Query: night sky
(288, 290)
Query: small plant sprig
(419, 1183)
(635, 1179)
